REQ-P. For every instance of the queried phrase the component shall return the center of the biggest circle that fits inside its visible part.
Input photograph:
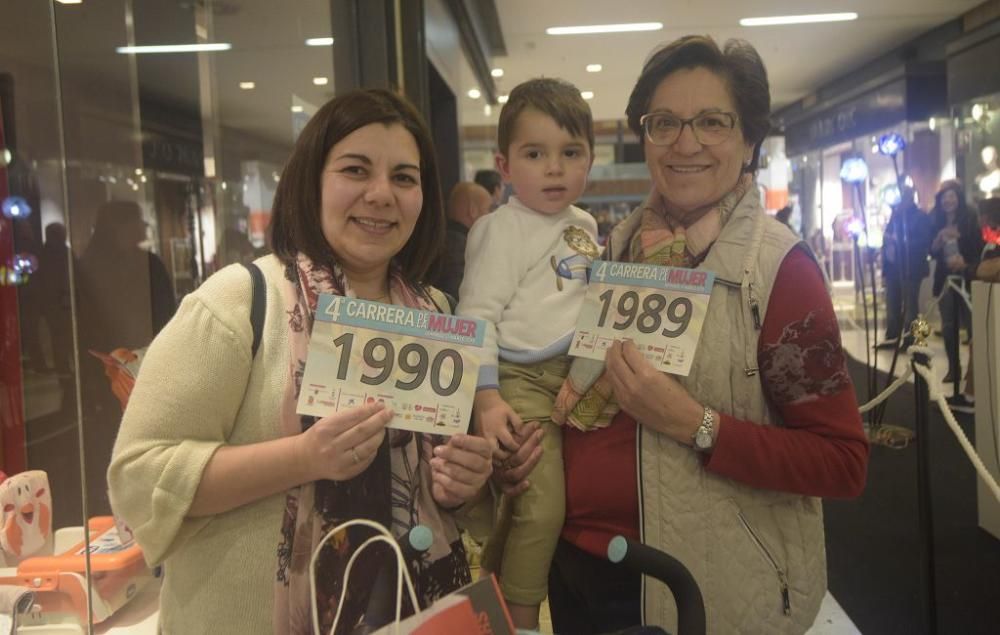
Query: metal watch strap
(704, 431)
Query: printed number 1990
(387, 359)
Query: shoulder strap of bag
(258, 305)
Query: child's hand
(494, 419)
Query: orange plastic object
(118, 572)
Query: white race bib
(423, 365)
(660, 309)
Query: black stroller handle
(646, 560)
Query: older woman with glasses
(723, 468)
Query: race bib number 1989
(423, 365)
(660, 309)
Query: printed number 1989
(649, 318)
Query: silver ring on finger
(354, 455)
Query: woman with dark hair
(219, 477)
(956, 248)
(723, 468)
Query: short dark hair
(296, 224)
(738, 63)
(556, 98)
(489, 179)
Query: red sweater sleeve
(822, 449)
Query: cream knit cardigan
(200, 389)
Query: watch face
(703, 439)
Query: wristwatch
(702, 439)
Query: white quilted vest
(759, 556)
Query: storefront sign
(872, 111)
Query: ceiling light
(474, 93)
(175, 48)
(604, 28)
(799, 19)
(297, 109)
(497, 72)
(594, 68)
(248, 85)
(587, 94)
(487, 110)
(321, 81)
(319, 41)
(70, 1)
(502, 99)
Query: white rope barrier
(885, 394)
(961, 292)
(934, 389)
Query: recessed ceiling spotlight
(321, 81)
(474, 93)
(502, 99)
(604, 28)
(587, 94)
(297, 108)
(497, 72)
(594, 68)
(799, 19)
(319, 41)
(248, 85)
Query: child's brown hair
(556, 98)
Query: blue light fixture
(25, 264)
(15, 208)
(854, 170)
(891, 195)
(891, 144)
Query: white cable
(935, 394)
(402, 570)
(885, 394)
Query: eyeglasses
(710, 128)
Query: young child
(526, 275)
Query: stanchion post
(920, 330)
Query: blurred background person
(904, 264)
(783, 216)
(491, 180)
(124, 298)
(467, 203)
(955, 249)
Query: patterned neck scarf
(394, 491)
(586, 400)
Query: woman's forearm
(241, 474)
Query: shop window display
(979, 146)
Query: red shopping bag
(475, 609)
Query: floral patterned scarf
(586, 400)
(395, 491)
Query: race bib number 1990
(423, 365)
(660, 309)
